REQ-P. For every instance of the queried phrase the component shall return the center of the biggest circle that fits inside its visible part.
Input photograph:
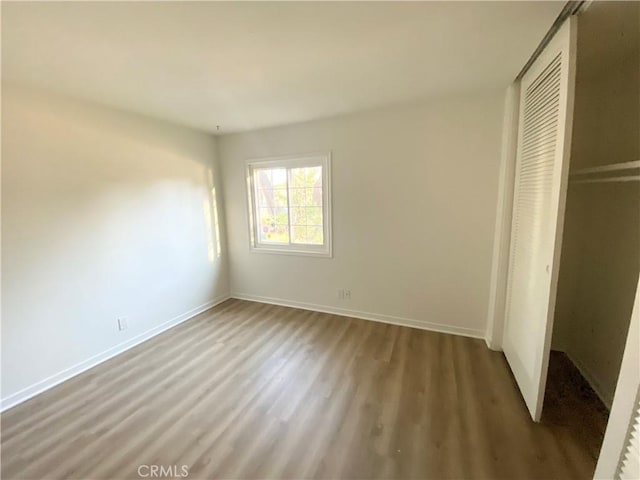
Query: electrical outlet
(341, 294)
(122, 323)
(347, 294)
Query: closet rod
(628, 178)
(608, 168)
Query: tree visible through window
(289, 200)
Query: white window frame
(292, 161)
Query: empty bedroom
(320, 240)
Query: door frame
(504, 213)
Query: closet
(567, 252)
(600, 252)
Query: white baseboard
(595, 384)
(376, 317)
(50, 382)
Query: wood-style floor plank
(248, 390)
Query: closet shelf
(607, 168)
(599, 174)
(627, 178)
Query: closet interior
(600, 259)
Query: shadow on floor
(571, 403)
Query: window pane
(273, 225)
(306, 177)
(305, 195)
(267, 216)
(263, 177)
(298, 216)
(314, 216)
(298, 197)
(299, 235)
(279, 177)
(313, 197)
(272, 197)
(272, 215)
(315, 235)
(282, 216)
(314, 176)
(305, 186)
(297, 178)
(274, 234)
(268, 178)
(270, 219)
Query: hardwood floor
(248, 390)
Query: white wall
(104, 214)
(414, 196)
(600, 255)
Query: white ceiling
(248, 65)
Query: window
(290, 205)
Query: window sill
(289, 251)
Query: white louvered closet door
(542, 167)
